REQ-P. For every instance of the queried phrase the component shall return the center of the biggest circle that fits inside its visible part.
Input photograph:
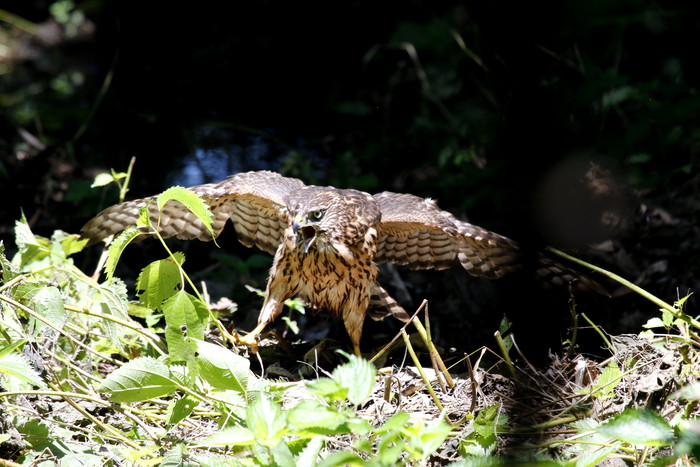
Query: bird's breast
(331, 281)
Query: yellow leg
(251, 339)
(356, 348)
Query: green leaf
(222, 368)
(186, 316)
(9, 271)
(396, 422)
(11, 347)
(191, 201)
(48, 303)
(266, 420)
(282, 455)
(596, 454)
(606, 382)
(329, 389)
(315, 418)
(18, 366)
(34, 431)
(504, 328)
(357, 375)
(139, 380)
(31, 249)
(180, 409)
(490, 421)
(160, 280)
(310, 454)
(231, 436)
(639, 427)
(654, 323)
(173, 457)
(690, 392)
(143, 222)
(117, 247)
(689, 440)
(424, 440)
(73, 244)
(111, 299)
(102, 179)
(342, 458)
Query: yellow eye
(317, 215)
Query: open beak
(305, 232)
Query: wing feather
(254, 201)
(414, 232)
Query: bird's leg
(279, 288)
(271, 308)
(354, 321)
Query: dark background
(565, 123)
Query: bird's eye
(317, 215)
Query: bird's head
(323, 217)
(308, 226)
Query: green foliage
(192, 375)
(17, 368)
(44, 295)
(116, 248)
(486, 426)
(185, 315)
(139, 380)
(357, 376)
(222, 368)
(604, 386)
(191, 201)
(638, 427)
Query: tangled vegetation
(91, 377)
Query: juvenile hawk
(327, 242)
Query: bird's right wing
(254, 201)
(415, 232)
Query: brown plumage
(327, 242)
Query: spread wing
(254, 201)
(416, 233)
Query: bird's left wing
(254, 201)
(414, 232)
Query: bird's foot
(250, 339)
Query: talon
(250, 340)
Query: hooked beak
(306, 232)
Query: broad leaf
(117, 247)
(329, 389)
(606, 382)
(185, 316)
(358, 376)
(231, 436)
(266, 420)
(9, 271)
(160, 280)
(139, 380)
(31, 249)
(222, 368)
(315, 418)
(48, 303)
(639, 427)
(180, 409)
(18, 366)
(191, 201)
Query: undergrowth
(89, 377)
